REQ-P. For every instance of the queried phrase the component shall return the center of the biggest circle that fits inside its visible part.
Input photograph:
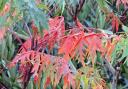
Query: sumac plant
(46, 45)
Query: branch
(3, 86)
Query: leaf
(2, 33)
(108, 32)
(103, 5)
(77, 43)
(98, 87)
(36, 79)
(2, 4)
(125, 28)
(124, 2)
(56, 31)
(38, 1)
(6, 8)
(115, 23)
(48, 80)
(85, 81)
(66, 82)
(40, 63)
(110, 46)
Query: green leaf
(43, 7)
(30, 85)
(22, 36)
(125, 28)
(101, 3)
(107, 32)
(2, 4)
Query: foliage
(63, 44)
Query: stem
(114, 71)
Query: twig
(28, 30)
(74, 13)
(79, 7)
(3, 86)
(28, 75)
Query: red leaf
(67, 82)
(57, 23)
(118, 2)
(40, 62)
(48, 80)
(115, 23)
(74, 44)
(36, 78)
(38, 1)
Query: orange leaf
(66, 82)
